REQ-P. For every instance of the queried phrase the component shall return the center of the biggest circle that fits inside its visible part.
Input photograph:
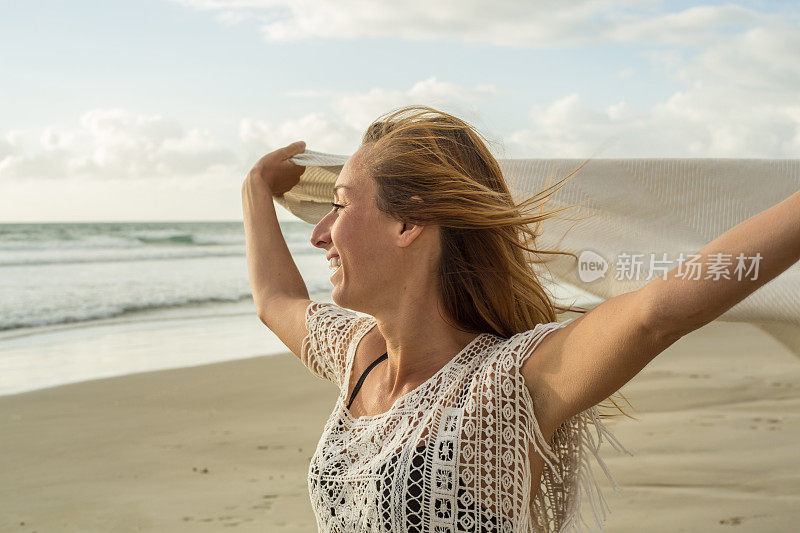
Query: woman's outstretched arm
(769, 243)
(584, 362)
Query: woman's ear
(417, 198)
(407, 226)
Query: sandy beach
(226, 445)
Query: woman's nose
(321, 235)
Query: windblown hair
(486, 276)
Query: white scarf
(634, 206)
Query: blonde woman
(464, 404)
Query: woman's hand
(276, 172)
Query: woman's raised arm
(274, 277)
(767, 244)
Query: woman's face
(363, 239)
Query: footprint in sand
(733, 521)
(766, 424)
(267, 503)
(232, 520)
(241, 521)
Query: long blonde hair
(486, 277)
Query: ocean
(89, 300)
(81, 301)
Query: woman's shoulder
(511, 352)
(341, 319)
(331, 331)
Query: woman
(447, 420)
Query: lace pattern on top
(476, 418)
(325, 350)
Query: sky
(156, 109)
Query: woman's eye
(336, 207)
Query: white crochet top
(452, 455)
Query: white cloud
(359, 109)
(502, 22)
(542, 24)
(702, 122)
(320, 131)
(568, 128)
(696, 26)
(115, 143)
(737, 66)
(6, 147)
(762, 58)
(738, 99)
(339, 128)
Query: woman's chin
(337, 298)
(334, 280)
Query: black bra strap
(361, 379)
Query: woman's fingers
(277, 171)
(293, 149)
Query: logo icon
(591, 266)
